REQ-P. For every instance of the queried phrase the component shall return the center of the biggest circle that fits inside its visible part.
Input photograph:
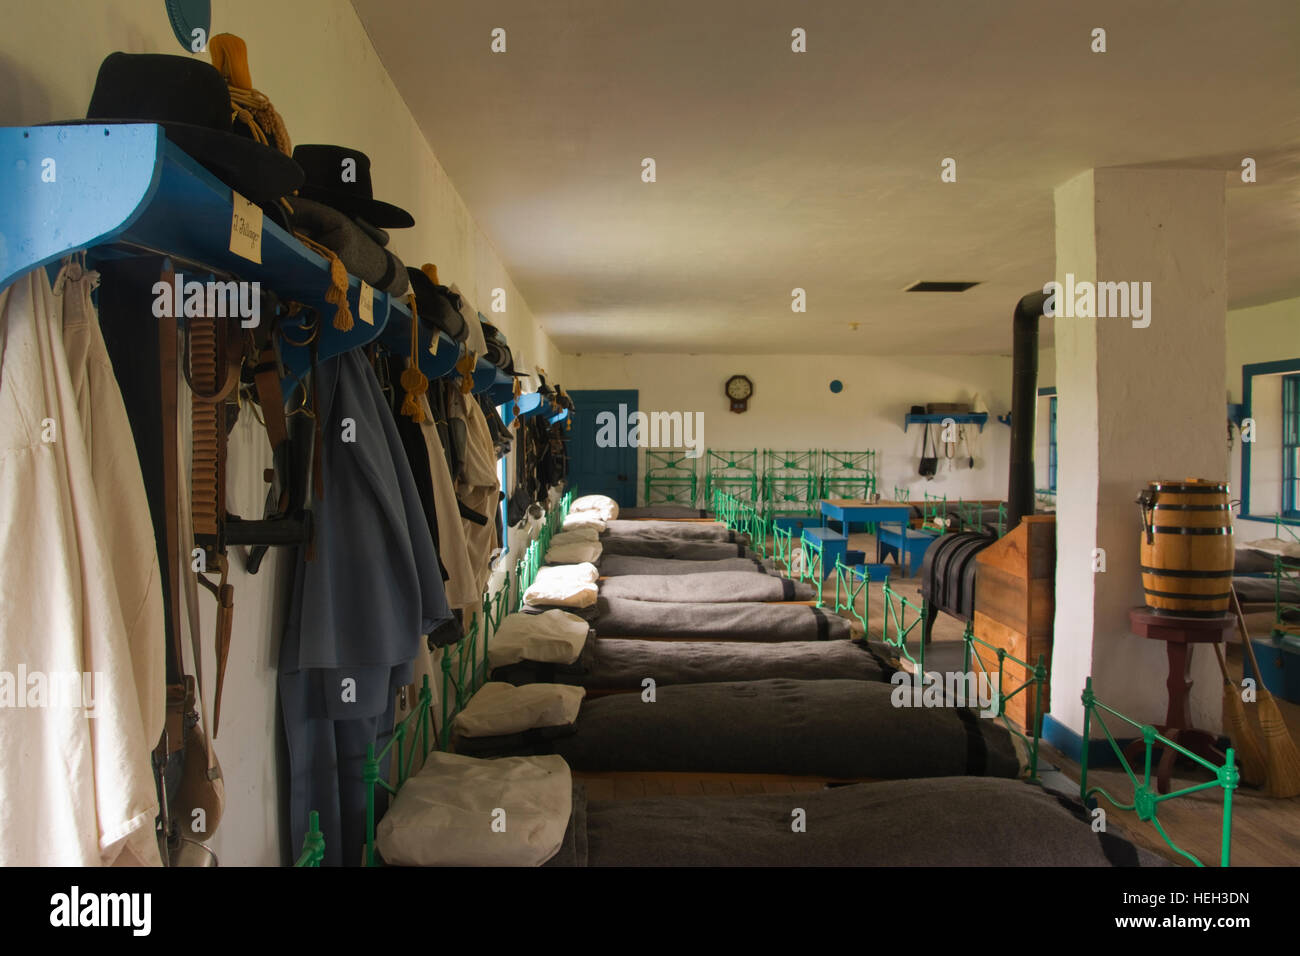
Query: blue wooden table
(847, 510)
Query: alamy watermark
(49, 689)
(651, 430)
(954, 689)
(1099, 300)
(211, 299)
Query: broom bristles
(1283, 757)
(1250, 757)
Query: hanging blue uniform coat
(359, 609)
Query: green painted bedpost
(1088, 700)
(370, 777)
(1228, 780)
(445, 736)
(313, 844)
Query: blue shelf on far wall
(979, 419)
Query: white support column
(1134, 404)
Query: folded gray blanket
(611, 663)
(687, 530)
(359, 253)
(952, 821)
(715, 588)
(656, 545)
(619, 617)
(612, 565)
(662, 511)
(827, 728)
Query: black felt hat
(435, 306)
(352, 193)
(191, 101)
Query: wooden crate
(1015, 605)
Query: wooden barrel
(1186, 547)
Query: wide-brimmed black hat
(498, 350)
(191, 101)
(325, 167)
(435, 306)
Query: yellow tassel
(338, 294)
(415, 384)
(430, 270)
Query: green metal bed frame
(850, 584)
(897, 620)
(1146, 800)
(734, 472)
(670, 477)
(790, 482)
(741, 516)
(848, 474)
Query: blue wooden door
(599, 469)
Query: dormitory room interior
(649, 434)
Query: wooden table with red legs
(1181, 635)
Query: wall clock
(738, 389)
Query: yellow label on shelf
(366, 305)
(245, 229)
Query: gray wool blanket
(727, 587)
(662, 511)
(686, 530)
(827, 728)
(948, 821)
(656, 545)
(614, 565)
(618, 617)
(618, 664)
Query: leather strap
(175, 733)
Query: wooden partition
(1015, 604)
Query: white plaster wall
(793, 408)
(315, 61)
(1154, 417)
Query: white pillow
(584, 519)
(500, 708)
(568, 585)
(444, 815)
(552, 637)
(575, 552)
(602, 505)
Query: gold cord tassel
(337, 294)
(413, 380)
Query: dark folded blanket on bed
(724, 587)
(652, 545)
(686, 530)
(617, 664)
(615, 565)
(953, 821)
(662, 511)
(618, 617)
(829, 728)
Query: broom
(1283, 758)
(1250, 757)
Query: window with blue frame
(1291, 446)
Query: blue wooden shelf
(124, 191)
(972, 419)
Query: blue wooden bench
(823, 549)
(906, 545)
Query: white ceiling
(821, 170)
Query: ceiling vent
(940, 286)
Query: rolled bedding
(656, 545)
(663, 512)
(727, 587)
(952, 821)
(618, 664)
(687, 530)
(619, 617)
(614, 565)
(842, 729)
